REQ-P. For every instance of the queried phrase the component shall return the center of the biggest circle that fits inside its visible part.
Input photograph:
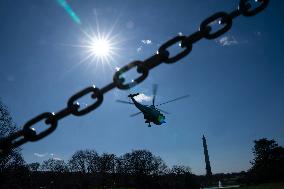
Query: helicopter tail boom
(133, 95)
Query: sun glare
(100, 47)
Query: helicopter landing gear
(149, 125)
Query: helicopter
(151, 112)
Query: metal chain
(224, 19)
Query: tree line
(138, 168)
(141, 162)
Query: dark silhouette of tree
(12, 159)
(107, 163)
(34, 166)
(180, 170)
(141, 165)
(159, 166)
(84, 161)
(12, 169)
(262, 149)
(106, 167)
(180, 176)
(54, 165)
(123, 164)
(268, 162)
(143, 162)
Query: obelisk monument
(206, 155)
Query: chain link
(223, 18)
(72, 102)
(119, 80)
(163, 50)
(28, 133)
(246, 8)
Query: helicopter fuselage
(151, 114)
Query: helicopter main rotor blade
(132, 115)
(155, 88)
(163, 111)
(179, 98)
(124, 102)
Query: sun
(101, 47)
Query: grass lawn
(278, 185)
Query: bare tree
(180, 170)
(12, 159)
(159, 166)
(107, 163)
(123, 164)
(54, 165)
(84, 161)
(34, 166)
(141, 162)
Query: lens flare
(69, 10)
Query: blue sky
(236, 82)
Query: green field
(279, 185)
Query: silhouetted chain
(225, 20)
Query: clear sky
(236, 82)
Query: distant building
(206, 155)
